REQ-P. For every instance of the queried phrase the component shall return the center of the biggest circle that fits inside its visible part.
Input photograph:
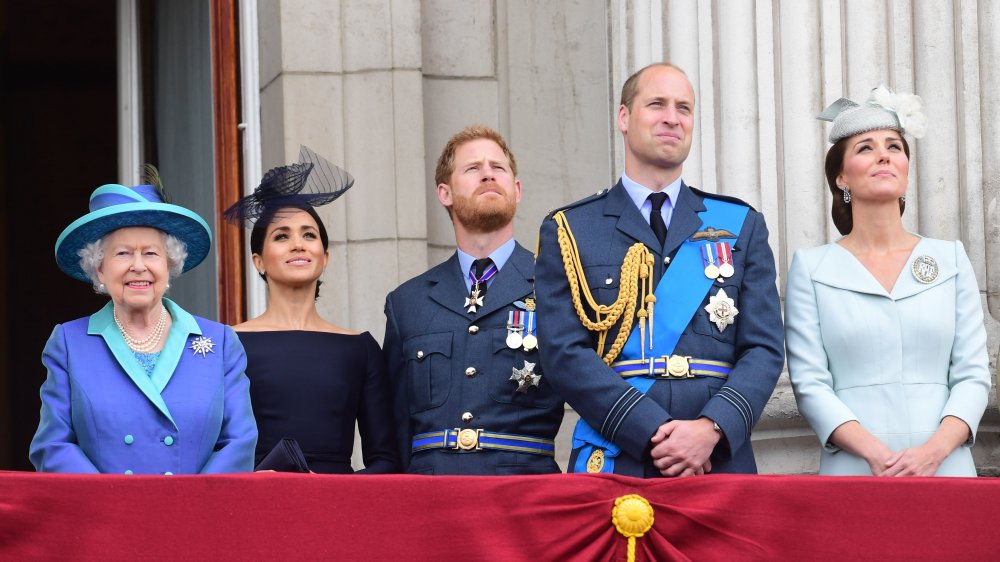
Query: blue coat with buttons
(101, 412)
(445, 362)
(605, 226)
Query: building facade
(379, 85)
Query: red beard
(482, 215)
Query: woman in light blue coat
(884, 328)
(141, 387)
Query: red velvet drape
(561, 517)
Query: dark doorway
(58, 141)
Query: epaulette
(599, 195)
(721, 197)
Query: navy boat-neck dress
(313, 386)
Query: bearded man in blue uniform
(470, 397)
(674, 289)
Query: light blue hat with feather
(115, 206)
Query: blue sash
(678, 295)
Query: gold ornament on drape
(632, 516)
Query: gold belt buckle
(678, 366)
(467, 439)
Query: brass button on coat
(467, 417)
(473, 329)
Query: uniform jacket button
(467, 417)
(470, 372)
(420, 354)
(168, 441)
(473, 329)
(128, 472)
(129, 439)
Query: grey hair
(92, 254)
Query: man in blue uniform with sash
(674, 289)
(469, 394)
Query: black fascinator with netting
(313, 181)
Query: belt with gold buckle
(481, 440)
(673, 367)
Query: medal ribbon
(725, 252)
(707, 258)
(514, 320)
(681, 290)
(487, 275)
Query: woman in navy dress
(310, 380)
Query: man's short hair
(631, 86)
(446, 162)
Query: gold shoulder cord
(636, 270)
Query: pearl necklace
(151, 342)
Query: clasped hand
(914, 461)
(683, 447)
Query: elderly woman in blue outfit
(141, 387)
(886, 344)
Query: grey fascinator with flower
(884, 109)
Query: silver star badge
(203, 345)
(721, 310)
(526, 377)
(473, 300)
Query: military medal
(530, 341)
(725, 253)
(475, 298)
(473, 301)
(595, 463)
(514, 340)
(925, 269)
(515, 326)
(526, 377)
(721, 310)
(708, 258)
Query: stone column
(344, 79)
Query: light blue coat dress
(896, 362)
(101, 412)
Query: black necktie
(656, 218)
(479, 271)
